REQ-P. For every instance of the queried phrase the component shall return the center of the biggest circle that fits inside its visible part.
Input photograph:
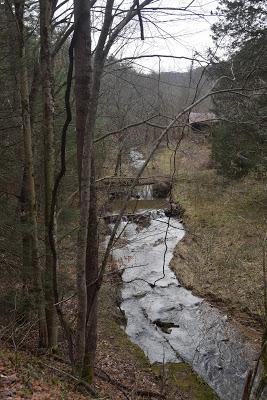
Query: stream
(167, 321)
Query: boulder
(161, 190)
(175, 211)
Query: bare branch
(140, 21)
(135, 124)
(141, 170)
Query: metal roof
(201, 117)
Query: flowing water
(166, 320)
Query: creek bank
(127, 363)
(167, 321)
(185, 256)
(220, 257)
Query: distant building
(201, 121)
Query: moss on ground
(123, 342)
(189, 383)
(111, 322)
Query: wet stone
(165, 326)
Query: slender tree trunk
(26, 235)
(49, 160)
(91, 282)
(82, 252)
(30, 212)
(89, 239)
(14, 53)
(83, 72)
(82, 57)
(118, 170)
(87, 87)
(89, 271)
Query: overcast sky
(168, 32)
(177, 35)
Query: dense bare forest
(133, 201)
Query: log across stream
(166, 320)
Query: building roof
(201, 117)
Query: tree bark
(26, 236)
(121, 140)
(46, 66)
(91, 282)
(83, 72)
(30, 212)
(82, 57)
(88, 73)
(82, 251)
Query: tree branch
(141, 170)
(152, 56)
(117, 131)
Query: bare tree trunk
(88, 73)
(29, 183)
(89, 271)
(13, 54)
(83, 71)
(118, 170)
(91, 282)
(49, 160)
(82, 56)
(26, 236)
(82, 251)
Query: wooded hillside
(73, 108)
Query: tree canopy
(240, 21)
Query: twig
(117, 131)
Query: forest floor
(122, 369)
(220, 259)
(221, 255)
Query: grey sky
(177, 35)
(168, 32)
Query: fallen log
(128, 180)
